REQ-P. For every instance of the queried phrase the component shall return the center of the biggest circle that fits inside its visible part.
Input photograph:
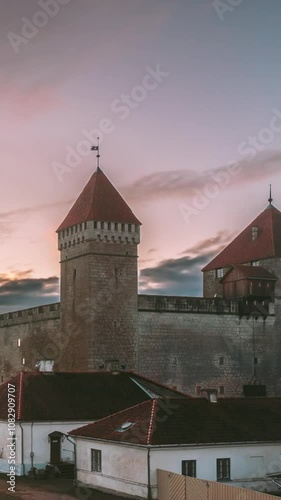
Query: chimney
(45, 365)
(211, 395)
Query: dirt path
(56, 489)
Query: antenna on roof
(270, 199)
(97, 148)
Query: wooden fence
(176, 487)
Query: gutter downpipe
(22, 450)
(31, 445)
(149, 495)
(75, 460)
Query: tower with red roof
(259, 244)
(98, 242)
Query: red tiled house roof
(99, 201)
(251, 272)
(77, 396)
(191, 421)
(244, 249)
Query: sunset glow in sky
(186, 98)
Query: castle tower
(259, 244)
(98, 242)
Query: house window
(85, 225)
(188, 468)
(96, 460)
(109, 226)
(256, 361)
(219, 273)
(223, 468)
(255, 231)
(221, 360)
(95, 224)
(129, 227)
(221, 389)
(116, 226)
(122, 227)
(102, 225)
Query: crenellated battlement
(31, 315)
(165, 303)
(112, 232)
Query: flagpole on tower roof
(97, 149)
(270, 199)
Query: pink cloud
(31, 101)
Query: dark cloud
(215, 243)
(185, 182)
(182, 276)
(23, 291)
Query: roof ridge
(163, 386)
(151, 422)
(271, 231)
(96, 174)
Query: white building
(237, 441)
(44, 407)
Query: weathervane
(97, 148)
(270, 199)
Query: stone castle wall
(214, 348)
(184, 342)
(28, 336)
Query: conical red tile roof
(99, 201)
(244, 249)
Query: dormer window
(255, 231)
(219, 273)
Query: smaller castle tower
(98, 243)
(259, 244)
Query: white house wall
(4, 450)
(124, 468)
(247, 461)
(35, 438)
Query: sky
(186, 98)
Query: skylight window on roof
(124, 427)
